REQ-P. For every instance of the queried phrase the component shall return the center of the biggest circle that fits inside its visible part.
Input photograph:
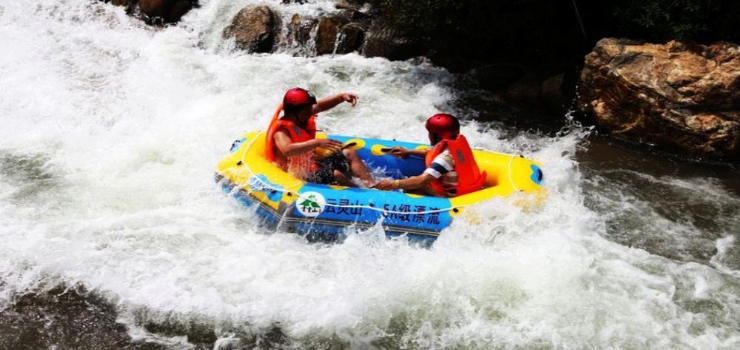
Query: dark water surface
(657, 202)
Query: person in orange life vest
(451, 169)
(291, 141)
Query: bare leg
(342, 179)
(358, 167)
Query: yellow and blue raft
(322, 212)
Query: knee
(351, 154)
(340, 177)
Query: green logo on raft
(310, 204)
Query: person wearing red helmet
(451, 168)
(291, 141)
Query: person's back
(452, 164)
(442, 167)
(451, 169)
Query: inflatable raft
(323, 212)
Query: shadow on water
(75, 318)
(667, 206)
(64, 319)
(29, 174)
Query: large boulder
(351, 37)
(383, 39)
(335, 34)
(170, 11)
(299, 28)
(299, 34)
(685, 97)
(326, 35)
(128, 5)
(253, 29)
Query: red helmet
(445, 126)
(298, 97)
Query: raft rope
(385, 211)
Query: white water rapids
(110, 132)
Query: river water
(111, 131)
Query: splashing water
(111, 133)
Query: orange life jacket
(469, 177)
(300, 165)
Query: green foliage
(465, 25)
(662, 20)
(437, 18)
(546, 29)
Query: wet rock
(351, 37)
(558, 92)
(497, 76)
(128, 5)
(254, 29)
(382, 39)
(326, 36)
(299, 33)
(525, 94)
(684, 97)
(336, 34)
(169, 11)
(120, 2)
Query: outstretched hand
(329, 144)
(399, 152)
(350, 97)
(385, 185)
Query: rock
(256, 29)
(497, 76)
(383, 40)
(326, 36)
(684, 97)
(558, 92)
(253, 29)
(351, 37)
(336, 35)
(299, 33)
(128, 5)
(525, 91)
(170, 11)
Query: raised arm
(330, 102)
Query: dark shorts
(327, 165)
